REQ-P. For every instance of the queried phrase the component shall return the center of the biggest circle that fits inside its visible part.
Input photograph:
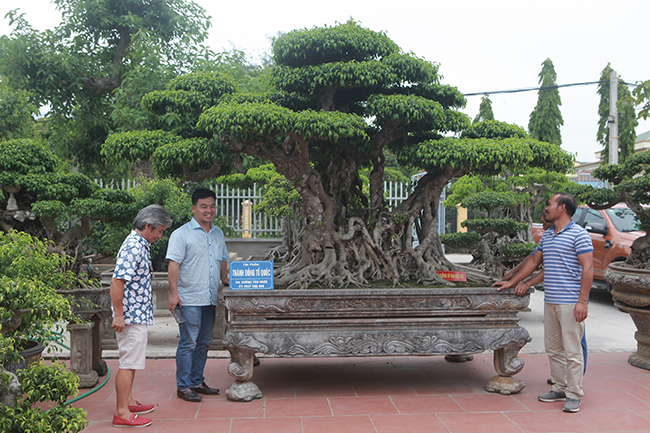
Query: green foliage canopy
(15, 113)
(92, 70)
(501, 226)
(488, 157)
(183, 151)
(41, 383)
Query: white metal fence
(235, 207)
(235, 211)
(121, 184)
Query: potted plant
(630, 279)
(30, 307)
(41, 384)
(32, 310)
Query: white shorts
(132, 346)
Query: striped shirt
(562, 268)
(200, 255)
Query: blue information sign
(251, 275)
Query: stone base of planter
(631, 293)
(376, 322)
(30, 353)
(641, 319)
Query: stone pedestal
(81, 354)
(94, 305)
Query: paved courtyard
(395, 394)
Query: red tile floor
(386, 395)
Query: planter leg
(81, 354)
(241, 368)
(507, 364)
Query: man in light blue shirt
(198, 262)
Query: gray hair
(153, 214)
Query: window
(593, 216)
(624, 219)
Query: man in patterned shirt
(198, 257)
(567, 253)
(131, 297)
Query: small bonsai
(46, 199)
(491, 232)
(631, 185)
(42, 384)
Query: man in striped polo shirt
(567, 253)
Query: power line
(557, 86)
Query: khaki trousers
(562, 341)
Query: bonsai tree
(348, 94)
(52, 202)
(494, 232)
(631, 185)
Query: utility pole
(613, 118)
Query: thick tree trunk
(98, 86)
(332, 254)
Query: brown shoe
(189, 395)
(205, 389)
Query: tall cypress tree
(626, 118)
(546, 119)
(484, 110)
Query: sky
(481, 46)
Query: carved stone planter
(374, 322)
(631, 291)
